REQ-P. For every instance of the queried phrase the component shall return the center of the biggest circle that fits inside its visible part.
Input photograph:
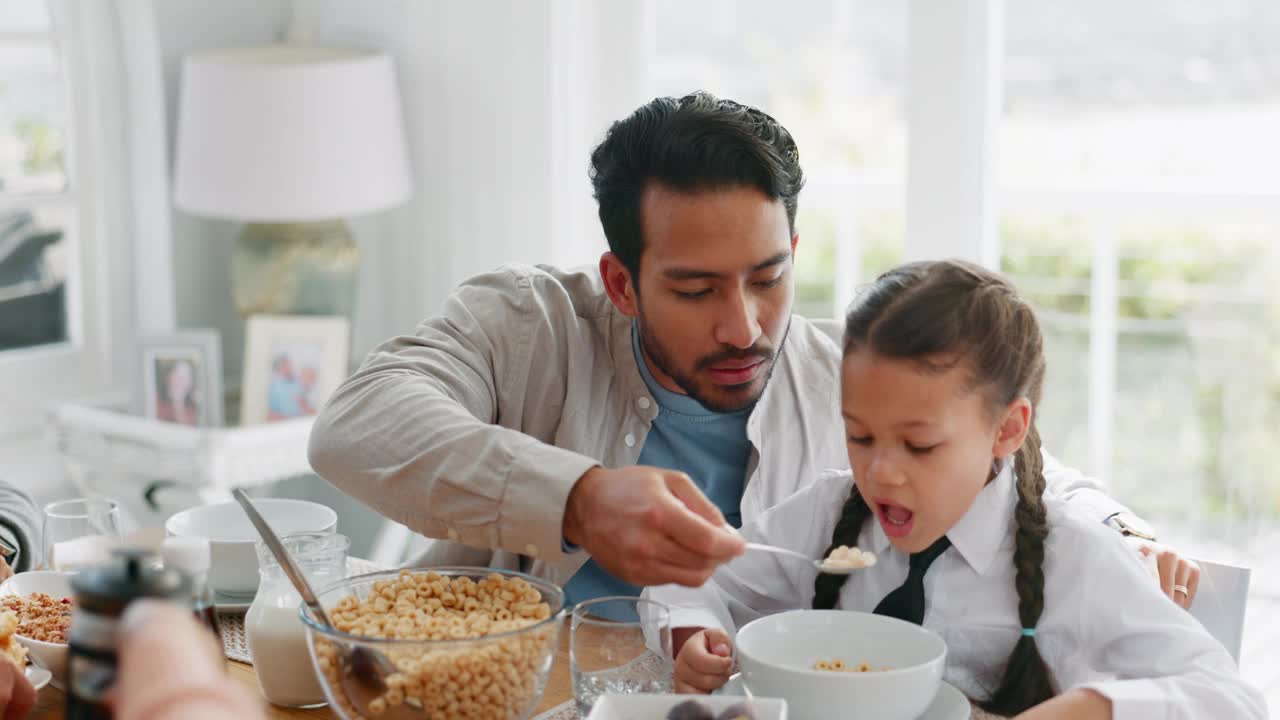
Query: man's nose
(738, 325)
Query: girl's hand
(705, 663)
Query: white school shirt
(1105, 625)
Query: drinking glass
(79, 533)
(619, 645)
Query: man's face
(715, 291)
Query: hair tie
(1028, 632)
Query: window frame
(93, 360)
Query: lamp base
(295, 269)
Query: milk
(79, 553)
(278, 643)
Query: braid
(826, 589)
(1026, 680)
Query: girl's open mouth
(894, 519)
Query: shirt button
(531, 550)
(643, 403)
(630, 440)
(453, 534)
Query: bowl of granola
(41, 600)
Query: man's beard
(688, 382)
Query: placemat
(568, 711)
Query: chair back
(1220, 603)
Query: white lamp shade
(289, 133)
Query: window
(35, 203)
(1141, 186)
(65, 253)
(1139, 208)
(832, 73)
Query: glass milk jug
(276, 636)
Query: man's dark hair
(695, 143)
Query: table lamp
(291, 139)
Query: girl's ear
(1013, 428)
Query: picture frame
(292, 364)
(181, 378)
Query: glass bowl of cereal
(464, 642)
(41, 601)
(826, 661)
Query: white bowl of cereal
(466, 640)
(828, 663)
(42, 601)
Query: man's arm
(20, 527)
(1178, 576)
(1082, 491)
(412, 433)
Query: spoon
(363, 670)
(38, 676)
(821, 565)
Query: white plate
(948, 704)
(644, 706)
(38, 676)
(231, 603)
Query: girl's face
(922, 444)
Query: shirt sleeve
(20, 526)
(762, 583)
(1164, 663)
(414, 432)
(1085, 493)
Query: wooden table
(52, 702)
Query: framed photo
(292, 364)
(182, 378)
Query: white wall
(201, 248)
(502, 103)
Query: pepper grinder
(102, 593)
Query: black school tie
(907, 601)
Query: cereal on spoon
(848, 558)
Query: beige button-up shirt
(476, 427)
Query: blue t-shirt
(710, 447)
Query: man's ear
(619, 284)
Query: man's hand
(648, 526)
(704, 663)
(17, 697)
(6, 572)
(1178, 577)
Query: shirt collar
(981, 531)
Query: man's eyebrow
(775, 260)
(679, 273)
